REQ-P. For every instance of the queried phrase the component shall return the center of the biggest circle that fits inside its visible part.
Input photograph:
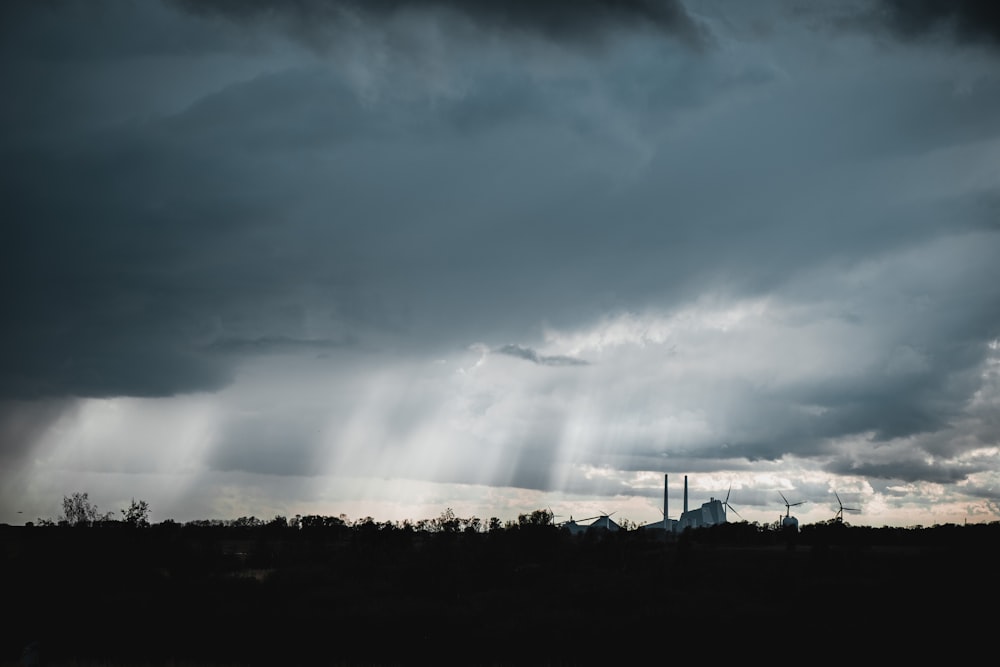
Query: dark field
(378, 595)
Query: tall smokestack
(685, 494)
(665, 514)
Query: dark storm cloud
(180, 227)
(964, 20)
(544, 360)
(894, 405)
(99, 269)
(50, 31)
(130, 248)
(990, 493)
(273, 344)
(904, 470)
(561, 20)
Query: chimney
(685, 494)
(665, 515)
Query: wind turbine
(603, 521)
(727, 506)
(789, 520)
(788, 505)
(840, 512)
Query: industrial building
(602, 522)
(710, 513)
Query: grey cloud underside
(545, 360)
(578, 21)
(907, 471)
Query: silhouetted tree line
(90, 586)
(79, 512)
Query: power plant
(710, 513)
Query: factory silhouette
(711, 513)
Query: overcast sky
(385, 258)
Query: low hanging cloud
(541, 359)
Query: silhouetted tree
(313, 521)
(79, 511)
(448, 522)
(246, 522)
(136, 514)
(536, 518)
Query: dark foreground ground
(170, 595)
